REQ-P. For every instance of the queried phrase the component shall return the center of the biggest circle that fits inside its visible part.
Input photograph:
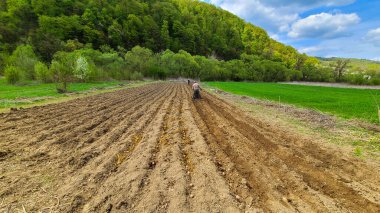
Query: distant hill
(194, 26)
(361, 65)
(356, 60)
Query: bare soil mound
(154, 149)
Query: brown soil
(153, 149)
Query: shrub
(157, 72)
(12, 75)
(42, 72)
(296, 75)
(137, 76)
(24, 59)
(60, 77)
(375, 81)
(62, 67)
(82, 69)
(137, 59)
(357, 79)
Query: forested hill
(196, 27)
(94, 40)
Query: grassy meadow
(20, 95)
(344, 102)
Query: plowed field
(154, 149)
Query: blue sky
(327, 28)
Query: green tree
(165, 37)
(133, 28)
(62, 27)
(46, 7)
(47, 45)
(137, 76)
(115, 34)
(72, 45)
(255, 40)
(238, 70)
(82, 69)
(42, 72)
(62, 68)
(151, 33)
(340, 67)
(185, 64)
(24, 59)
(137, 59)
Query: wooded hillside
(196, 27)
(70, 36)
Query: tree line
(87, 64)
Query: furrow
(314, 177)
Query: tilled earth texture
(154, 149)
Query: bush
(42, 72)
(296, 75)
(62, 67)
(24, 59)
(137, 59)
(358, 79)
(375, 81)
(12, 75)
(137, 76)
(82, 69)
(157, 72)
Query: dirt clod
(5, 154)
(244, 181)
(122, 205)
(76, 203)
(109, 208)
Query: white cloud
(274, 36)
(255, 11)
(310, 50)
(216, 2)
(274, 15)
(373, 36)
(376, 59)
(339, 36)
(324, 25)
(347, 47)
(309, 4)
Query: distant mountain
(351, 59)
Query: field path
(154, 149)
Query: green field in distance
(343, 102)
